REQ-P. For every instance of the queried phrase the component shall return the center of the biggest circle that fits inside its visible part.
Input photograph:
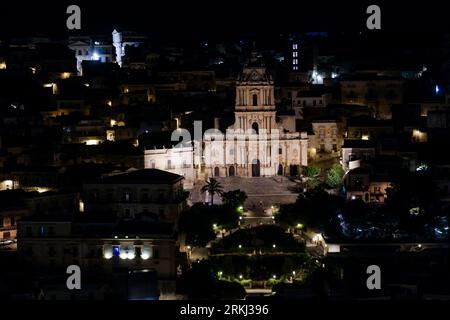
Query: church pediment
(254, 75)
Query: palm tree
(213, 187)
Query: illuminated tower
(117, 43)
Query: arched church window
(255, 128)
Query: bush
(334, 176)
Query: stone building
(104, 250)
(379, 93)
(326, 139)
(127, 195)
(257, 144)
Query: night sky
(201, 17)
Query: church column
(261, 96)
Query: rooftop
(354, 143)
(143, 176)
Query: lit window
(294, 46)
(294, 54)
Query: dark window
(29, 231)
(109, 195)
(255, 127)
(51, 252)
(51, 231)
(255, 100)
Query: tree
(334, 176)
(213, 187)
(197, 223)
(315, 209)
(311, 172)
(312, 183)
(234, 198)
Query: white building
(88, 49)
(256, 145)
(178, 160)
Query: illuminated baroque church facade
(257, 145)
